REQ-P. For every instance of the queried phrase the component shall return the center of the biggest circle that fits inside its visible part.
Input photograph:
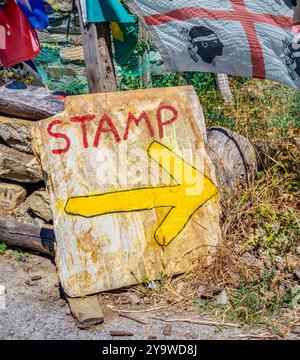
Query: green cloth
(125, 38)
(107, 10)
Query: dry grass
(261, 222)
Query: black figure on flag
(291, 51)
(290, 3)
(277, 4)
(203, 43)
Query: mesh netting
(61, 61)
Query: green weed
(3, 248)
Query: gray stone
(222, 298)
(11, 196)
(18, 166)
(16, 133)
(134, 299)
(297, 274)
(39, 203)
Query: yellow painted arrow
(192, 190)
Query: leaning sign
(132, 189)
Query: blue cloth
(36, 11)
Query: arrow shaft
(123, 201)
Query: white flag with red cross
(236, 37)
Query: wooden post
(224, 87)
(98, 55)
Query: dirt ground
(37, 311)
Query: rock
(2, 297)
(35, 277)
(36, 220)
(18, 166)
(68, 311)
(16, 133)
(120, 333)
(167, 331)
(152, 285)
(86, 311)
(30, 283)
(204, 293)
(222, 298)
(134, 299)
(297, 274)
(190, 335)
(217, 291)
(296, 330)
(38, 203)
(298, 250)
(296, 297)
(11, 196)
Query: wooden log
(30, 102)
(233, 156)
(18, 166)
(224, 87)
(27, 236)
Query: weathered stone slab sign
(132, 189)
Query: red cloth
(18, 40)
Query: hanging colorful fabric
(18, 40)
(108, 10)
(125, 38)
(35, 11)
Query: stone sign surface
(132, 189)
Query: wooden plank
(224, 87)
(131, 233)
(98, 55)
(27, 236)
(31, 102)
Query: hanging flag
(125, 39)
(124, 30)
(18, 40)
(108, 10)
(36, 13)
(296, 17)
(238, 37)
